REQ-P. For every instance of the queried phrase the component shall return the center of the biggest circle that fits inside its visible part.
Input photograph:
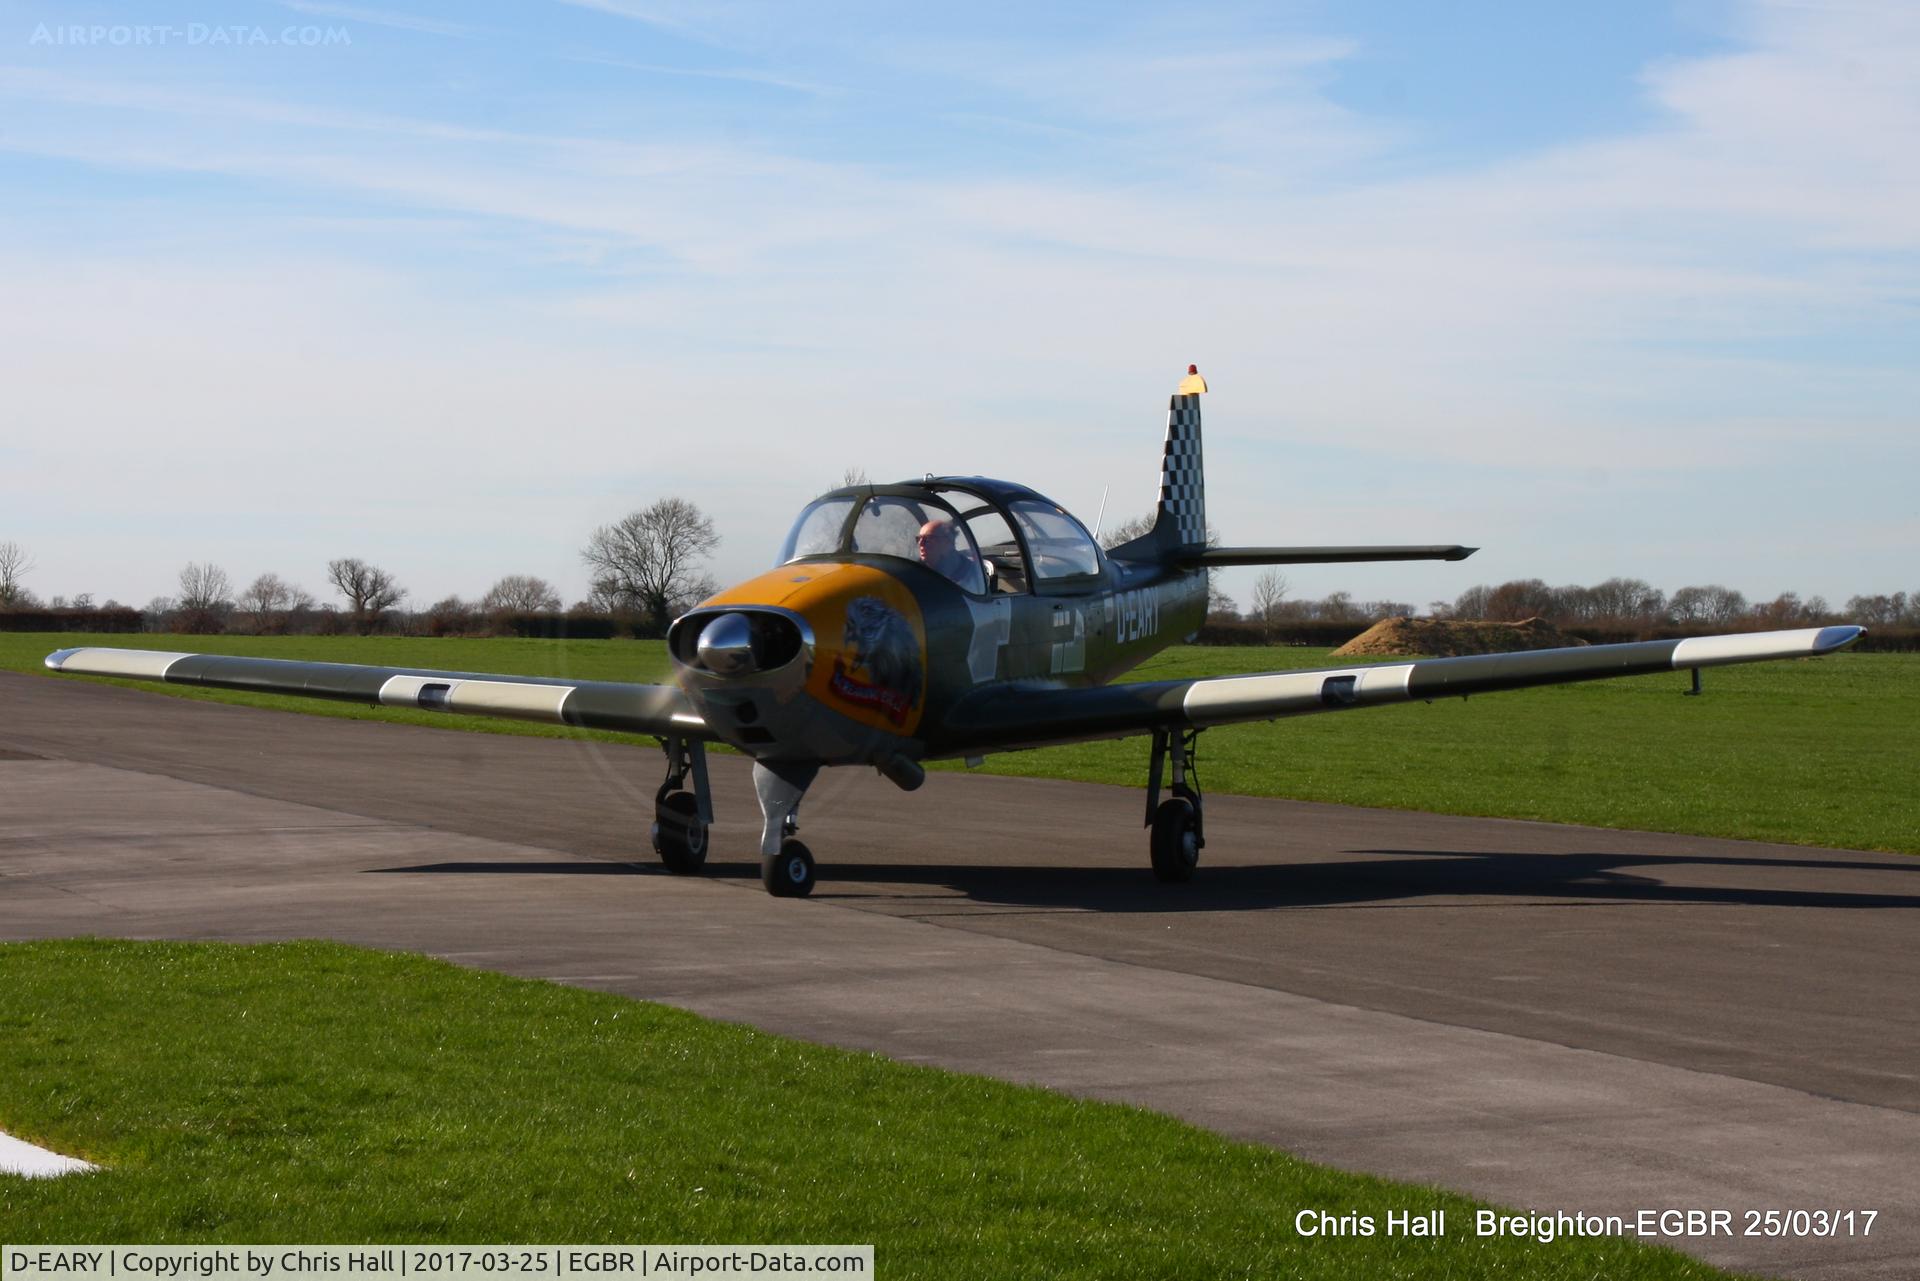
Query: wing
(1012, 716)
(660, 710)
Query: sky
(1624, 289)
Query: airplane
(951, 617)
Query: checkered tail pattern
(1182, 519)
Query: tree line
(645, 570)
(648, 567)
(1616, 602)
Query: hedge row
(120, 619)
(1315, 635)
(569, 626)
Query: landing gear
(788, 874)
(786, 865)
(1178, 835)
(681, 819)
(1176, 840)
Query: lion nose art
(726, 645)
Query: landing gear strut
(681, 819)
(786, 864)
(1178, 835)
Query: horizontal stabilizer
(1221, 557)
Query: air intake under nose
(725, 646)
(736, 642)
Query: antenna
(1103, 512)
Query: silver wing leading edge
(660, 710)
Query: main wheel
(788, 874)
(679, 837)
(1176, 840)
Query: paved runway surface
(1554, 1017)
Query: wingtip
(1461, 553)
(59, 657)
(1833, 638)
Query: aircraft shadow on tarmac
(559, 867)
(1385, 878)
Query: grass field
(1819, 752)
(313, 1092)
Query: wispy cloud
(738, 74)
(382, 18)
(687, 19)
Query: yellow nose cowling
(870, 640)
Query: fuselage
(858, 647)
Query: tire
(1176, 841)
(788, 874)
(679, 837)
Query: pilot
(941, 551)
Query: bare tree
(264, 601)
(269, 603)
(1127, 530)
(1714, 604)
(1338, 607)
(521, 594)
(1472, 603)
(1520, 599)
(1268, 591)
(1628, 600)
(648, 561)
(1884, 611)
(1788, 610)
(369, 590)
(206, 595)
(851, 478)
(449, 616)
(14, 564)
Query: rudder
(1181, 520)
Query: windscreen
(817, 532)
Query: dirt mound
(1444, 639)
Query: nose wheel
(786, 864)
(682, 819)
(1177, 834)
(788, 874)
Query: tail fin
(1179, 533)
(1180, 520)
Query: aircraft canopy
(986, 537)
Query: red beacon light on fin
(1193, 384)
